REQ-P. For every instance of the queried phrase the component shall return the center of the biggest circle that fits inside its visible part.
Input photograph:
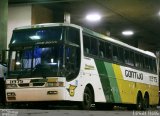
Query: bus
(60, 62)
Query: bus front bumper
(35, 94)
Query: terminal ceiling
(141, 16)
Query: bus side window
(126, 56)
(120, 54)
(108, 50)
(150, 64)
(73, 35)
(146, 63)
(154, 65)
(101, 49)
(94, 46)
(137, 60)
(72, 61)
(131, 58)
(141, 61)
(115, 53)
(86, 44)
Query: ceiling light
(127, 33)
(93, 17)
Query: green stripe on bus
(104, 80)
(113, 82)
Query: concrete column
(3, 23)
(67, 17)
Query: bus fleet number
(16, 81)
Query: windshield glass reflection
(40, 61)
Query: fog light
(52, 92)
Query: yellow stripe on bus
(126, 88)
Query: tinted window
(101, 49)
(154, 65)
(94, 46)
(146, 62)
(137, 60)
(37, 34)
(115, 53)
(72, 62)
(120, 54)
(131, 58)
(108, 49)
(73, 35)
(126, 56)
(86, 44)
(141, 61)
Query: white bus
(66, 62)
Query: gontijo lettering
(133, 74)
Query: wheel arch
(146, 94)
(92, 90)
(139, 93)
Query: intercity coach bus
(62, 62)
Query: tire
(146, 102)
(87, 99)
(139, 104)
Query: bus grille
(31, 84)
(38, 84)
(24, 85)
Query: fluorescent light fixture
(159, 13)
(93, 17)
(35, 37)
(128, 33)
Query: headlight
(55, 84)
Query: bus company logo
(133, 74)
(89, 67)
(6, 112)
(72, 90)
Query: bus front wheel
(87, 99)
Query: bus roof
(104, 37)
(47, 25)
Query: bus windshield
(38, 61)
(45, 52)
